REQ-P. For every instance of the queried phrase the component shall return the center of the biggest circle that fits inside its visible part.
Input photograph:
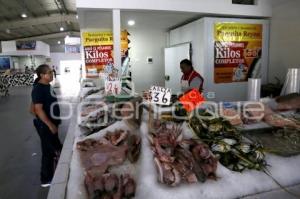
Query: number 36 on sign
(160, 95)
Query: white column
(117, 39)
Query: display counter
(69, 181)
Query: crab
(221, 147)
(215, 127)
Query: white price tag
(160, 95)
(113, 87)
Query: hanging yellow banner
(237, 52)
(102, 38)
(98, 50)
(237, 32)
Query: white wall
(144, 42)
(57, 48)
(57, 57)
(25, 61)
(38, 60)
(147, 43)
(10, 48)
(284, 39)
(193, 33)
(19, 62)
(201, 34)
(222, 7)
(96, 20)
(29, 61)
(15, 62)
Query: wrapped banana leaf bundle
(180, 111)
(233, 151)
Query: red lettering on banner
(98, 55)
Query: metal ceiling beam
(61, 6)
(56, 3)
(51, 35)
(47, 28)
(38, 29)
(6, 7)
(56, 18)
(43, 7)
(25, 8)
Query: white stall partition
(173, 56)
(9, 48)
(201, 35)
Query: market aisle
(20, 151)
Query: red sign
(229, 54)
(191, 100)
(98, 55)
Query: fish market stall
(161, 157)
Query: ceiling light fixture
(23, 15)
(76, 16)
(61, 23)
(59, 42)
(24, 10)
(131, 22)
